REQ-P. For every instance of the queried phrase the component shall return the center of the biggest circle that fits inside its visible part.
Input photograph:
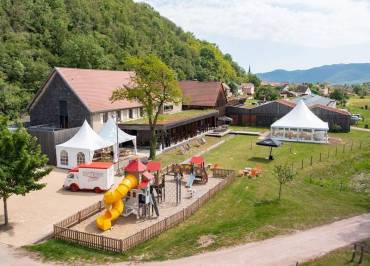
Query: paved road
(281, 250)
(361, 129)
(287, 249)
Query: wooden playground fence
(62, 230)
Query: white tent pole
(135, 146)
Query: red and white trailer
(96, 176)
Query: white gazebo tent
(80, 148)
(111, 132)
(300, 124)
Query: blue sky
(278, 34)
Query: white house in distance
(247, 88)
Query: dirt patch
(360, 182)
(207, 240)
(335, 141)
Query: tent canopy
(109, 132)
(86, 139)
(301, 118)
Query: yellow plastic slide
(113, 202)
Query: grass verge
(339, 257)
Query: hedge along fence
(62, 230)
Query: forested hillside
(36, 35)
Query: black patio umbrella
(272, 143)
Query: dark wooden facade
(266, 114)
(49, 137)
(58, 105)
(263, 115)
(334, 118)
(172, 133)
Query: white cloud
(310, 23)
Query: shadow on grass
(259, 160)
(266, 202)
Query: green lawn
(250, 103)
(338, 258)
(175, 117)
(356, 105)
(249, 128)
(247, 210)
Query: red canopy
(153, 166)
(135, 166)
(197, 160)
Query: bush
(336, 128)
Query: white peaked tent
(80, 148)
(111, 132)
(300, 124)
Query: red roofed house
(204, 95)
(72, 95)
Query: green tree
(340, 95)
(21, 163)
(12, 100)
(153, 85)
(283, 174)
(267, 93)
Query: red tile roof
(343, 112)
(95, 87)
(135, 166)
(201, 93)
(287, 103)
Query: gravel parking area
(31, 217)
(124, 227)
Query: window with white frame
(80, 158)
(63, 157)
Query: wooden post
(121, 245)
(320, 156)
(311, 160)
(302, 164)
(102, 242)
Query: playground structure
(134, 195)
(196, 172)
(144, 187)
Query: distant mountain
(334, 74)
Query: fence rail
(62, 230)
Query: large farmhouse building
(72, 95)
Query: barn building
(266, 114)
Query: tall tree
(21, 163)
(154, 84)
